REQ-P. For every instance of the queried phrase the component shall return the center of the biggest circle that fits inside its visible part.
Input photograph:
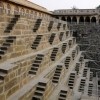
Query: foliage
(98, 7)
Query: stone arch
(57, 17)
(35, 13)
(63, 18)
(69, 19)
(74, 19)
(39, 14)
(22, 11)
(87, 19)
(81, 19)
(27, 11)
(32, 11)
(93, 19)
(1, 7)
(16, 10)
(8, 8)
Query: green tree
(98, 7)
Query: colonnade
(80, 19)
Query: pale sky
(67, 4)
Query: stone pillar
(90, 19)
(66, 18)
(77, 20)
(97, 19)
(60, 18)
(71, 19)
(84, 20)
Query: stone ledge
(31, 84)
(10, 63)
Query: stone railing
(29, 16)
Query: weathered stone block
(2, 97)
(10, 84)
(1, 89)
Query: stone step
(37, 65)
(62, 95)
(71, 81)
(51, 40)
(60, 98)
(7, 31)
(10, 41)
(54, 51)
(59, 66)
(36, 43)
(32, 72)
(55, 48)
(0, 56)
(6, 44)
(4, 48)
(67, 62)
(2, 75)
(39, 35)
(58, 72)
(40, 55)
(67, 59)
(36, 98)
(18, 16)
(42, 84)
(39, 88)
(38, 93)
(55, 81)
(52, 37)
(9, 28)
(58, 69)
(34, 68)
(2, 52)
(53, 58)
(37, 25)
(39, 58)
(64, 46)
(36, 61)
(13, 22)
(53, 55)
(33, 47)
(11, 37)
(15, 19)
(71, 78)
(63, 91)
(4, 71)
(56, 78)
(38, 38)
